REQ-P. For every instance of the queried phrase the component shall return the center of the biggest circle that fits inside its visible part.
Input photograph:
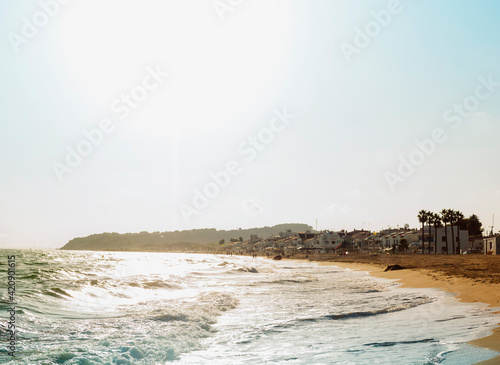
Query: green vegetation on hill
(193, 240)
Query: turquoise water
(149, 308)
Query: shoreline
(465, 290)
(459, 275)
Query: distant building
(461, 239)
(306, 235)
(354, 240)
(492, 245)
(329, 241)
(390, 238)
(476, 243)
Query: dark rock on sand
(394, 267)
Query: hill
(192, 240)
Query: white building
(329, 241)
(461, 239)
(492, 245)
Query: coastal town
(431, 238)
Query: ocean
(75, 307)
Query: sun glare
(215, 73)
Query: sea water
(76, 307)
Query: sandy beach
(473, 278)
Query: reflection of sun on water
(133, 279)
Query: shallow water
(147, 308)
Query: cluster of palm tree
(448, 217)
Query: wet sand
(473, 278)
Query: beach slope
(472, 278)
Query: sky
(127, 116)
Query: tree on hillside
(422, 218)
(222, 241)
(241, 239)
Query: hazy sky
(124, 116)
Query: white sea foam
(204, 309)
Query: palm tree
(445, 217)
(458, 216)
(452, 217)
(422, 218)
(430, 221)
(436, 220)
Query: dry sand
(473, 278)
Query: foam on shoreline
(466, 290)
